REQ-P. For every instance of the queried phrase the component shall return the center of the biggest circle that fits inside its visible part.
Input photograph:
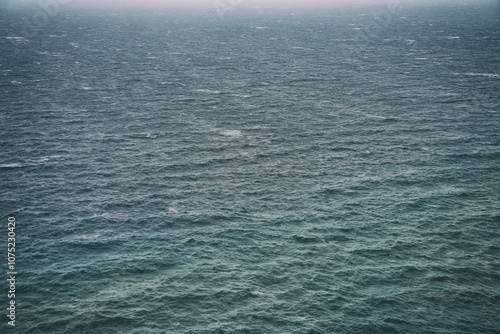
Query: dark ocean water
(259, 173)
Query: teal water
(265, 173)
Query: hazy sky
(236, 3)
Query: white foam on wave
(15, 165)
(17, 39)
(87, 236)
(490, 75)
(231, 133)
(208, 91)
(173, 210)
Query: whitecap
(231, 133)
(207, 91)
(374, 116)
(14, 165)
(300, 48)
(490, 75)
(16, 39)
(87, 236)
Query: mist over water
(204, 5)
(252, 171)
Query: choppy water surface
(263, 173)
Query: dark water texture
(263, 173)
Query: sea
(292, 171)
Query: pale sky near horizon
(198, 4)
